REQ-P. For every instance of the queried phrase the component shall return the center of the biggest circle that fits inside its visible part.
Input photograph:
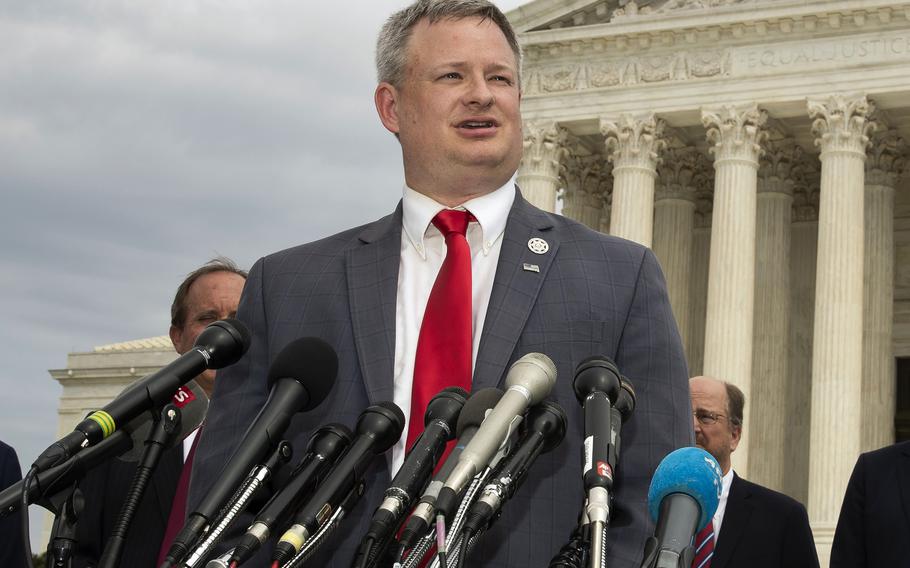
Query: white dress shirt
(727, 481)
(423, 249)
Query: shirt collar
(491, 211)
(726, 482)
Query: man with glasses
(753, 525)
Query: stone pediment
(540, 15)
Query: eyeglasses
(706, 418)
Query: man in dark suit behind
(207, 294)
(450, 90)
(12, 552)
(874, 521)
(754, 526)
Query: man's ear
(386, 99)
(176, 335)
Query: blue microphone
(682, 500)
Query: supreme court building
(758, 147)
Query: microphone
(300, 378)
(544, 429)
(378, 428)
(220, 344)
(470, 419)
(323, 449)
(439, 428)
(596, 387)
(126, 443)
(528, 382)
(682, 500)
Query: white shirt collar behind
(727, 481)
(491, 211)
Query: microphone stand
(67, 505)
(238, 503)
(166, 426)
(310, 547)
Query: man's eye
(452, 75)
(501, 79)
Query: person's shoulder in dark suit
(768, 529)
(12, 551)
(874, 518)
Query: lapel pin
(530, 267)
(538, 245)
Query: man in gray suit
(450, 90)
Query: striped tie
(704, 547)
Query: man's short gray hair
(391, 48)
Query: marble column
(674, 224)
(803, 254)
(885, 162)
(841, 129)
(538, 174)
(633, 145)
(770, 361)
(735, 134)
(570, 180)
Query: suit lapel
(372, 276)
(903, 472)
(519, 276)
(736, 517)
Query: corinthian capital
(680, 172)
(779, 165)
(544, 147)
(634, 141)
(735, 132)
(840, 123)
(886, 157)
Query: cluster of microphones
(436, 508)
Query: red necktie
(704, 546)
(178, 505)
(444, 344)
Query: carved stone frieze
(544, 148)
(840, 123)
(735, 132)
(634, 140)
(598, 74)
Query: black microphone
(324, 448)
(470, 419)
(439, 428)
(528, 382)
(682, 499)
(125, 444)
(544, 429)
(378, 428)
(597, 385)
(220, 344)
(300, 378)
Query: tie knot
(451, 221)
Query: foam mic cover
(690, 471)
(310, 361)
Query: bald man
(753, 525)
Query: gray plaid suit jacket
(593, 294)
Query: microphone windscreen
(475, 409)
(193, 404)
(225, 340)
(311, 362)
(691, 471)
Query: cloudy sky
(138, 139)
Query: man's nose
(478, 93)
